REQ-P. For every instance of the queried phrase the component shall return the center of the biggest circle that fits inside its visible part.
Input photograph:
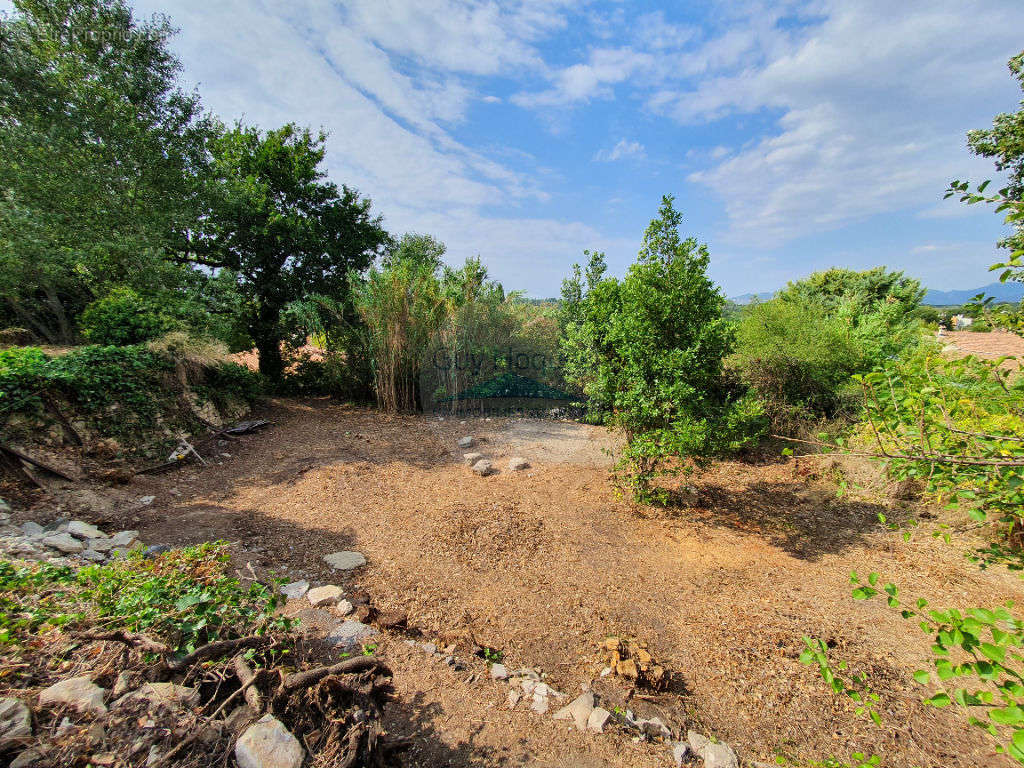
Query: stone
(5, 517)
(81, 530)
(32, 529)
(15, 721)
(349, 635)
(157, 549)
(466, 442)
(79, 693)
(268, 744)
(343, 608)
(345, 561)
(715, 754)
(680, 751)
(518, 463)
(430, 648)
(93, 556)
(295, 589)
(540, 704)
(121, 685)
(472, 458)
(598, 717)
(513, 698)
(168, 695)
(64, 542)
(26, 758)
(655, 728)
(578, 710)
(239, 718)
(123, 539)
(483, 468)
(5, 508)
(147, 500)
(697, 741)
(324, 596)
(498, 672)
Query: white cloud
(623, 150)
(585, 81)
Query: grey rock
(345, 561)
(147, 500)
(680, 751)
(472, 458)
(167, 695)
(59, 525)
(540, 704)
(466, 442)
(498, 672)
(430, 648)
(26, 758)
(121, 685)
(268, 744)
(79, 693)
(5, 517)
(101, 545)
(598, 717)
(697, 740)
(483, 468)
(157, 549)
(349, 635)
(655, 728)
(326, 595)
(239, 718)
(715, 754)
(518, 463)
(578, 710)
(64, 542)
(15, 721)
(93, 556)
(81, 530)
(31, 528)
(295, 589)
(5, 507)
(513, 698)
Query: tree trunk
(268, 344)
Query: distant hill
(746, 298)
(1012, 292)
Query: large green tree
(283, 229)
(103, 159)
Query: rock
(430, 648)
(32, 529)
(121, 685)
(343, 608)
(483, 468)
(239, 718)
(466, 442)
(122, 540)
(598, 717)
(268, 744)
(498, 672)
(349, 635)
(680, 751)
(513, 698)
(157, 549)
(15, 721)
(345, 561)
(578, 710)
(103, 759)
(26, 758)
(81, 530)
(655, 728)
(79, 693)
(295, 589)
(93, 556)
(326, 595)
(518, 463)
(5, 517)
(715, 754)
(56, 526)
(147, 500)
(472, 458)
(167, 695)
(5, 508)
(64, 542)
(540, 704)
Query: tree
(651, 347)
(283, 229)
(104, 159)
(1004, 141)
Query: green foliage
(121, 318)
(649, 350)
(105, 159)
(184, 597)
(228, 381)
(282, 229)
(977, 661)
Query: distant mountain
(1012, 292)
(746, 298)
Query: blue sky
(795, 136)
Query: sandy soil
(544, 564)
(990, 345)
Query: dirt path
(544, 564)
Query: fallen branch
(215, 649)
(298, 680)
(4, 447)
(247, 677)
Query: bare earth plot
(544, 564)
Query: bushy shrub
(328, 375)
(798, 361)
(122, 318)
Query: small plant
(123, 317)
(855, 687)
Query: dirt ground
(989, 345)
(544, 564)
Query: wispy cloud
(623, 150)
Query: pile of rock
(63, 542)
(483, 466)
(350, 634)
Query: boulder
(680, 751)
(349, 635)
(483, 468)
(295, 589)
(79, 693)
(472, 458)
(324, 596)
(64, 542)
(32, 529)
(93, 556)
(518, 463)
(466, 442)
(167, 695)
(268, 744)
(123, 539)
(83, 531)
(15, 722)
(598, 717)
(578, 710)
(715, 754)
(345, 561)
